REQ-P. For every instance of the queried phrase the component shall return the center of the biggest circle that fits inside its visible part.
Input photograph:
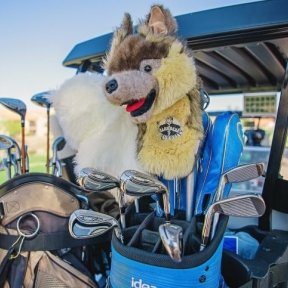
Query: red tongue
(135, 106)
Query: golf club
(172, 236)
(190, 186)
(137, 184)
(18, 107)
(56, 164)
(238, 174)
(6, 144)
(42, 100)
(85, 224)
(17, 153)
(14, 163)
(97, 181)
(249, 205)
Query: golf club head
(58, 144)
(85, 224)
(249, 205)
(15, 105)
(138, 184)
(95, 180)
(238, 174)
(244, 172)
(5, 142)
(42, 99)
(171, 236)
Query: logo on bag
(170, 128)
(139, 284)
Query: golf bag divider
(133, 262)
(40, 205)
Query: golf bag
(141, 257)
(36, 249)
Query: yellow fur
(171, 157)
(176, 76)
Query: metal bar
(275, 157)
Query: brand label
(139, 284)
(170, 128)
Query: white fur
(102, 134)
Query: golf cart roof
(237, 48)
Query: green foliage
(11, 127)
(37, 164)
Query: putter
(137, 184)
(42, 100)
(172, 236)
(250, 205)
(85, 224)
(97, 181)
(57, 145)
(18, 107)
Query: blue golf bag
(141, 260)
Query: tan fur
(176, 77)
(172, 157)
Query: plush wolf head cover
(152, 73)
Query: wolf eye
(147, 68)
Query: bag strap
(55, 241)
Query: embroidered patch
(169, 128)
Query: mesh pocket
(44, 280)
(54, 272)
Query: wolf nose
(111, 86)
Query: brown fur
(132, 51)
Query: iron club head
(238, 174)
(85, 224)
(249, 205)
(135, 183)
(19, 107)
(5, 142)
(57, 145)
(95, 180)
(171, 236)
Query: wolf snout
(111, 86)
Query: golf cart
(240, 49)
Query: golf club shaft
(23, 151)
(48, 140)
(122, 208)
(190, 184)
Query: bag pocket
(54, 272)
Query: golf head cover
(221, 151)
(152, 75)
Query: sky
(36, 36)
